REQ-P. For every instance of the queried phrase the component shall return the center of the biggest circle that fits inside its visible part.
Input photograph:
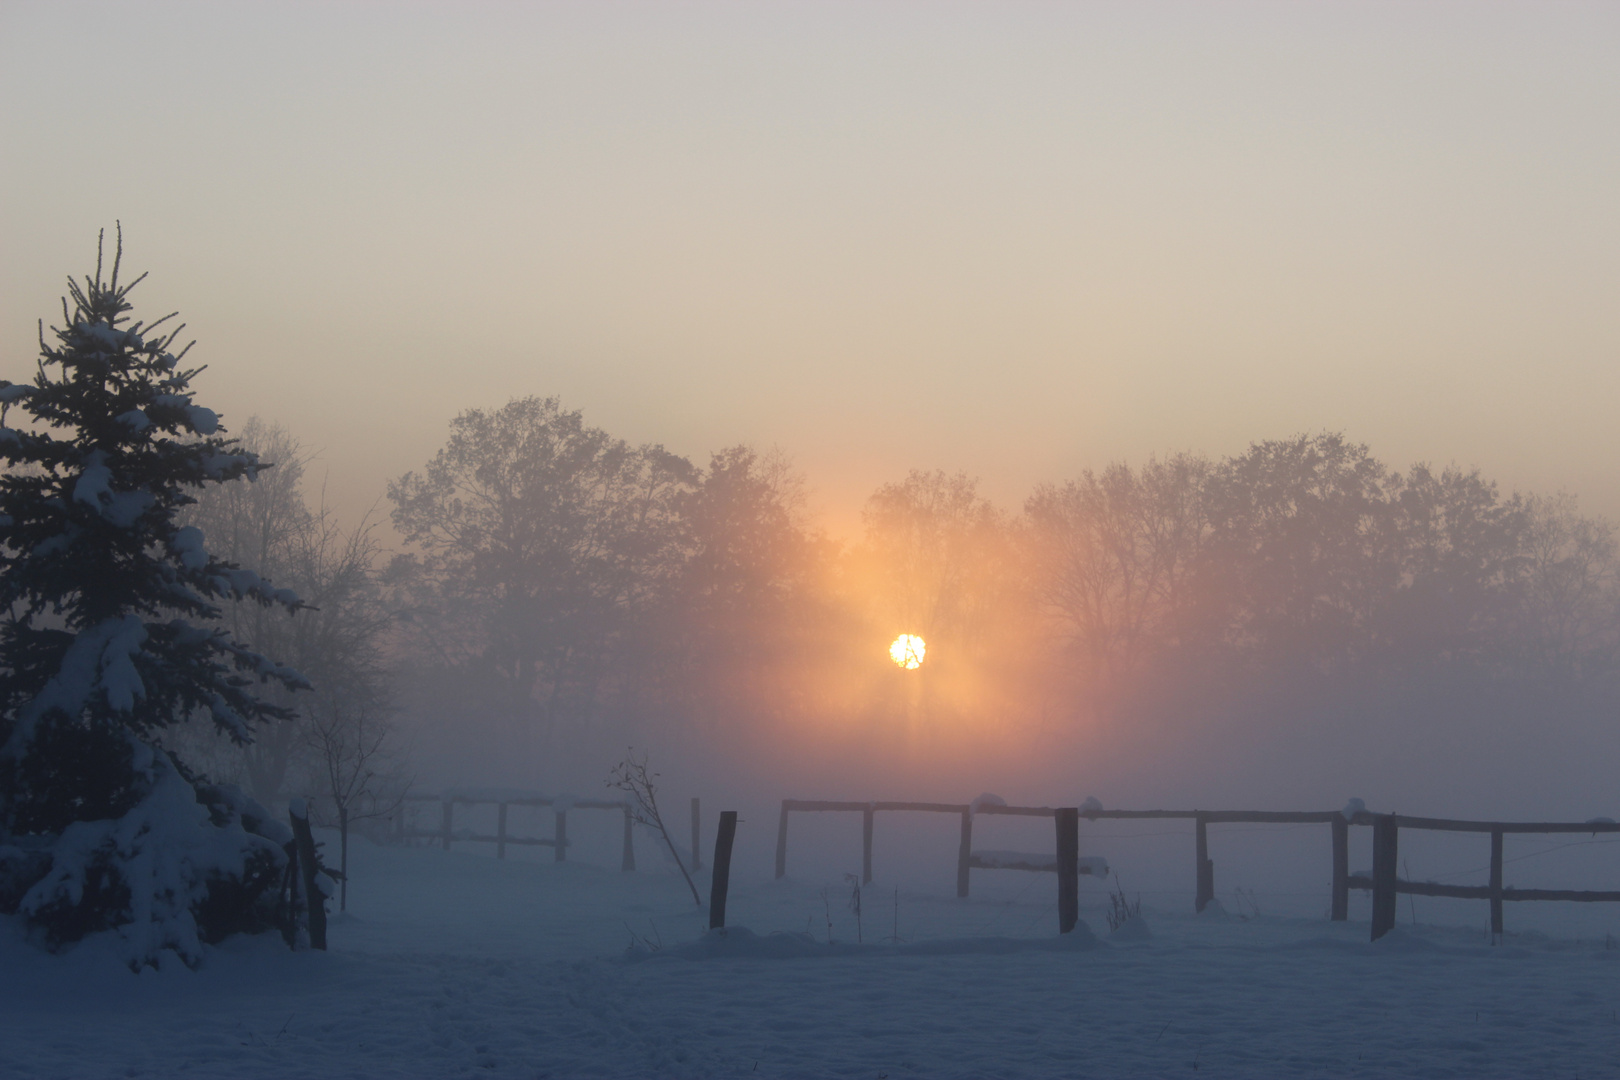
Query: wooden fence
(1385, 886)
(967, 859)
(447, 834)
(1383, 882)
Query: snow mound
(1133, 929)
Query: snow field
(455, 965)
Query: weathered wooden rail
(1383, 882)
(447, 834)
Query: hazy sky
(1010, 239)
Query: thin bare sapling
(1121, 911)
(631, 776)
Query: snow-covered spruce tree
(109, 632)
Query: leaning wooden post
(1068, 867)
(314, 899)
(1205, 877)
(447, 805)
(964, 853)
(1385, 843)
(559, 844)
(1496, 885)
(697, 853)
(866, 844)
(500, 831)
(781, 842)
(721, 879)
(1341, 869)
(628, 862)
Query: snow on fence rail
(1382, 882)
(502, 798)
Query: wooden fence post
(628, 863)
(1205, 880)
(781, 842)
(721, 879)
(500, 831)
(1385, 844)
(314, 901)
(1068, 867)
(1341, 869)
(866, 844)
(559, 844)
(1496, 886)
(447, 805)
(964, 853)
(697, 854)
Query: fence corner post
(314, 899)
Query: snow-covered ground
(454, 964)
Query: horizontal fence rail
(1383, 882)
(447, 834)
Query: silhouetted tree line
(1308, 555)
(563, 577)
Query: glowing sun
(908, 651)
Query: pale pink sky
(1011, 239)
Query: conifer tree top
(112, 605)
